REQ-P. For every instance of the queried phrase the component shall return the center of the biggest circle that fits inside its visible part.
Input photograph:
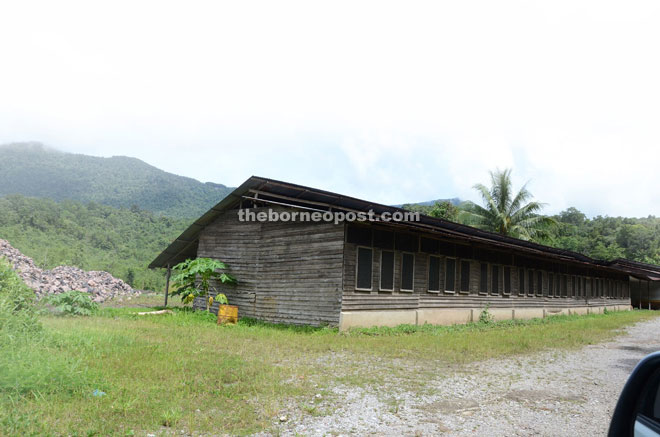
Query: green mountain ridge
(35, 170)
(90, 236)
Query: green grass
(183, 372)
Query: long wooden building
(377, 272)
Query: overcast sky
(392, 102)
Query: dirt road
(550, 394)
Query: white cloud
(390, 101)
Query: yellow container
(227, 314)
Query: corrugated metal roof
(274, 191)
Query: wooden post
(648, 292)
(167, 283)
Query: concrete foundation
(457, 316)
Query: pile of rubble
(100, 285)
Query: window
(364, 266)
(557, 285)
(551, 284)
(434, 273)
(465, 275)
(407, 271)
(358, 235)
(407, 242)
(386, 270)
(383, 239)
(578, 290)
(539, 283)
(450, 274)
(495, 280)
(564, 285)
(507, 280)
(573, 286)
(584, 287)
(530, 282)
(483, 279)
(429, 246)
(521, 282)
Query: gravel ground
(553, 393)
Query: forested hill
(31, 169)
(90, 236)
(607, 238)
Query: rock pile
(100, 285)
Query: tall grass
(32, 364)
(181, 371)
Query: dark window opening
(383, 239)
(521, 282)
(407, 271)
(483, 279)
(387, 270)
(429, 245)
(406, 242)
(539, 282)
(465, 276)
(450, 274)
(551, 284)
(507, 280)
(358, 235)
(434, 273)
(495, 280)
(530, 282)
(364, 266)
(573, 291)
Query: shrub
(486, 317)
(73, 303)
(17, 314)
(193, 279)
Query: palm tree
(505, 213)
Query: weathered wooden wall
(421, 297)
(288, 272)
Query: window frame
(551, 284)
(481, 278)
(495, 268)
(538, 292)
(530, 282)
(447, 258)
(460, 279)
(407, 290)
(504, 277)
(521, 284)
(357, 265)
(380, 273)
(428, 275)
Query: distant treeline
(90, 236)
(637, 239)
(606, 238)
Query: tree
(445, 210)
(130, 277)
(506, 213)
(193, 279)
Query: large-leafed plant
(195, 277)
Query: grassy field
(164, 374)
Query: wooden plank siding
(421, 297)
(288, 272)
